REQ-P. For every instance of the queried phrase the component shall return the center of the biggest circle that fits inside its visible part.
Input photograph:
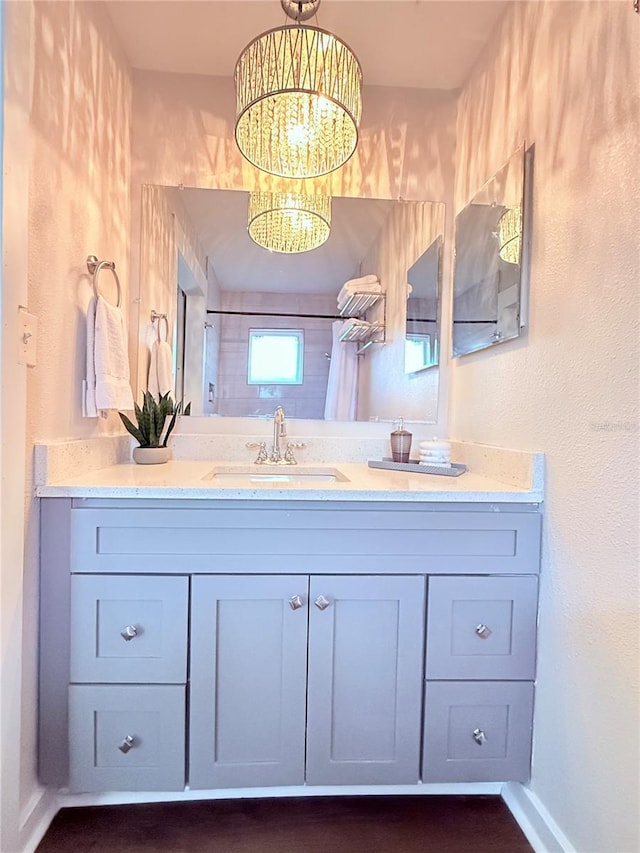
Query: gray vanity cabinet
(250, 644)
(256, 707)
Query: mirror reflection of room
(422, 343)
(488, 262)
(255, 329)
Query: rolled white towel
(435, 452)
(434, 458)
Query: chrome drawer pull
(295, 602)
(321, 602)
(127, 744)
(129, 632)
(482, 631)
(479, 736)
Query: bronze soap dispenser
(400, 440)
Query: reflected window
(275, 356)
(417, 352)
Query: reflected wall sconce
(298, 98)
(510, 235)
(290, 223)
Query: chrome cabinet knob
(482, 631)
(127, 744)
(479, 736)
(295, 602)
(321, 602)
(129, 632)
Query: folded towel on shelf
(160, 369)
(107, 384)
(355, 285)
(365, 284)
(353, 323)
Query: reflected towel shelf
(455, 470)
(360, 332)
(358, 303)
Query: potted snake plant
(150, 432)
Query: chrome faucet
(279, 431)
(277, 457)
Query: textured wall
(565, 77)
(79, 162)
(79, 199)
(184, 134)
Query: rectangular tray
(456, 469)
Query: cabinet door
(366, 640)
(248, 681)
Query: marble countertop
(191, 480)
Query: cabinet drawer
(481, 628)
(477, 731)
(129, 629)
(326, 539)
(125, 738)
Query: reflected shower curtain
(342, 385)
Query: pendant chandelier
(510, 235)
(289, 222)
(298, 94)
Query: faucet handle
(289, 455)
(262, 451)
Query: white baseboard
(36, 818)
(540, 829)
(121, 798)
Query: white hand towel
(107, 360)
(90, 410)
(161, 369)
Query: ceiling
(220, 219)
(430, 44)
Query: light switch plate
(27, 337)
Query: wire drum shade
(510, 235)
(288, 222)
(298, 97)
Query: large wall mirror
(252, 329)
(488, 280)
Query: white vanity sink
(276, 474)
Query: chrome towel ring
(156, 315)
(95, 266)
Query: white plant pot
(151, 455)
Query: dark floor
(376, 824)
